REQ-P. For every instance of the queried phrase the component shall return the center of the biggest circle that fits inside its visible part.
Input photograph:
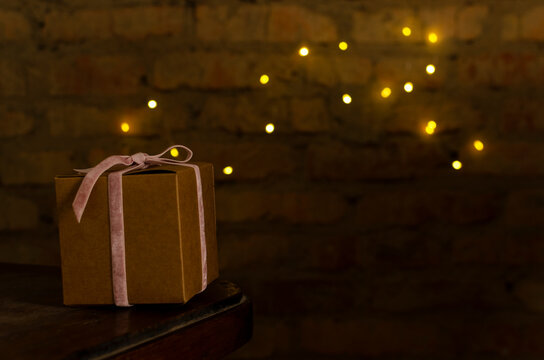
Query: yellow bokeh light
(303, 51)
(151, 104)
(343, 46)
(125, 127)
(264, 79)
(227, 170)
(430, 128)
(478, 145)
(269, 128)
(346, 98)
(386, 92)
(406, 31)
(432, 37)
(430, 69)
(408, 87)
(174, 152)
(456, 165)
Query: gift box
(170, 248)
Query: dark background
(347, 226)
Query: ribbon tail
(117, 239)
(86, 187)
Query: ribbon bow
(115, 198)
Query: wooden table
(35, 325)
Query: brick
(224, 23)
(310, 115)
(78, 25)
(414, 208)
(140, 22)
(338, 70)
(13, 78)
(301, 251)
(531, 293)
(35, 167)
(470, 21)
(248, 114)
(520, 116)
(386, 26)
(102, 75)
(499, 247)
(17, 213)
(86, 121)
(390, 161)
(504, 69)
(412, 117)
(525, 207)
(13, 26)
(205, 71)
(440, 20)
(290, 207)
(532, 24)
(505, 158)
(293, 23)
(510, 27)
(250, 160)
(402, 248)
(14, 123)
(397, 70)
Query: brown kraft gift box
(162, 238)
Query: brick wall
(347, 226)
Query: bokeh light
(227, 170)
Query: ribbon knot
(139, 158)
(115, 198)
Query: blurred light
(174, 152)
(478, 145)
(408, 87)
(430, 69)
(228, 170)
(269, 128)
(386, 92)
(406, 31)
(264, 79)
(346, 98)
(303, 51)
(343, 46)
(125, 127)
(151, 104)
(433, 38)
(456, 165)
(430, 128)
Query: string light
(174, 152)
(303, 51)
(264, 79)
(386, 92)
(408, 87)
(430, 69)
(269, 128)
(406, 31)
(346, 99)
(457, 165)
(478, 145)
(151, 104)
(125, 127)
(343, 45)
(432, 37)
(430, 128)
(227, 170)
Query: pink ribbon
(115, 197)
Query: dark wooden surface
(34, 324)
